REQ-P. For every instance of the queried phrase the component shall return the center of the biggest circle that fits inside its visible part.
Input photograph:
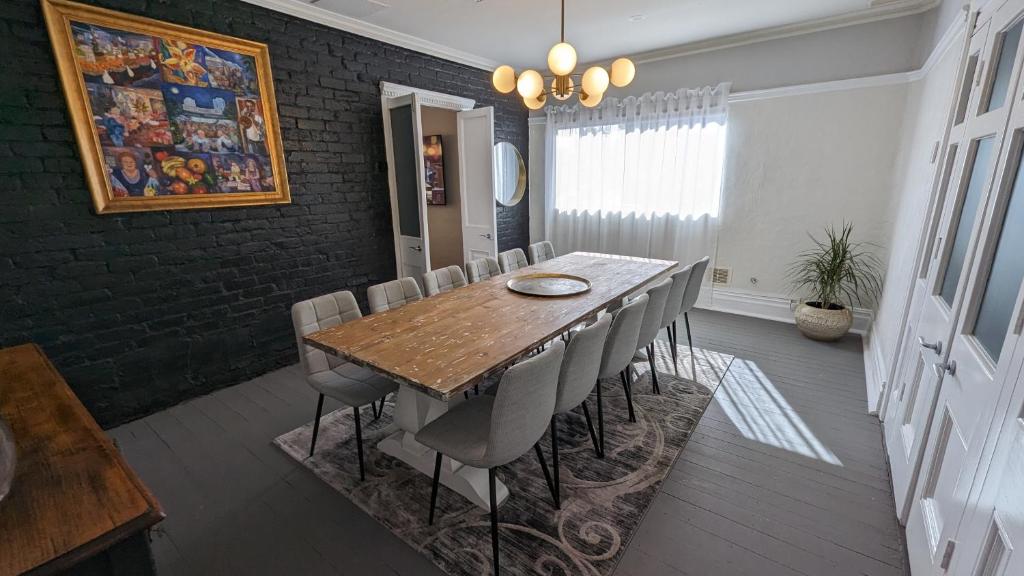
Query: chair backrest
(581, 365)
(540, 251)
(655, 311)
(674, 302)
(523, 406)
(444, 280)
(394, 294)
(620, 346)
(317, 314)
(481, 269)
(693, 284)
(511, 260)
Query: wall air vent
(721, 276)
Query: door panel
(407, 181)
(476, 175)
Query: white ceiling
(520, 32)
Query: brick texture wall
(142, 311)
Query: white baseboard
(771, 307)
(874, 372)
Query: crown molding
(348, 24)
(427, 97)
(874, 13)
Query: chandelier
(535, 88)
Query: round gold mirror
(509, 174)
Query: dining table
(439, 347)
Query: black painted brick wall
(142, 311)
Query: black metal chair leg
(689, 335)
(316, 423)
(359, 442)
(433, 490)
(672, 343)
(554, 462)
(590, 428)
(629, 396)
(544, 468)
(494, 519)
(654, 373)
(600, 419)
(476, 389)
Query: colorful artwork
(178, 118)
(433, 164)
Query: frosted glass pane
(1007, 54)
(965, 220)
(1006, 275)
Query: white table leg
(413, 410)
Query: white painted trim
(885, 11)
(427, 97)
(874, 372)
(348, 24)
(769, 306)
(537, 120)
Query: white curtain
(641, 176)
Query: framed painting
(433, 164)
(167, 117)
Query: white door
(975, 297)
(993, 527)
(973, 147)
(476, 180)
(407, 181)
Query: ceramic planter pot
(7, 459)
(826, 325)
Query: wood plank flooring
(785, 475)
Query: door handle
(488, 235)
(936, 347)
(945, 367)
(416, 248)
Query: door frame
(388, 91)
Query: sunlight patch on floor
(760, 412)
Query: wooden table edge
(148, 518)
(445, 397)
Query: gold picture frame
(167, 117)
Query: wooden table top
(446, 343)
(73, 495)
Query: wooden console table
(73, 496)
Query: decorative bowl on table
(548, 284)
(7, 459)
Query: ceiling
(520, 32)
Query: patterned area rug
(603, 501)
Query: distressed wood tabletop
(446, 343)
(73, 495)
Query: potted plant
(837, 273)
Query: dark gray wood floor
(784, 475)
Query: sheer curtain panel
(641, 176)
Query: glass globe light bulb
(595, 80)
(562, 59)
(569, 88)
(589, 100)
(530, 84)
(623, 72)
(504, 79)
(535, 103)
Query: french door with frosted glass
(970, 319)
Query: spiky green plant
(837, 271)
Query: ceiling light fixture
(591, 84)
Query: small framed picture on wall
(167, 117)
(433, 165)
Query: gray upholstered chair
(653, 315)
(540, 251)
(619, 348)
(512, 260)
(329, 375)
(482, 269)
(393, 294)
(490, 431)
(672, 306)
(690, 298)
(444, 280)
(576, 380)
